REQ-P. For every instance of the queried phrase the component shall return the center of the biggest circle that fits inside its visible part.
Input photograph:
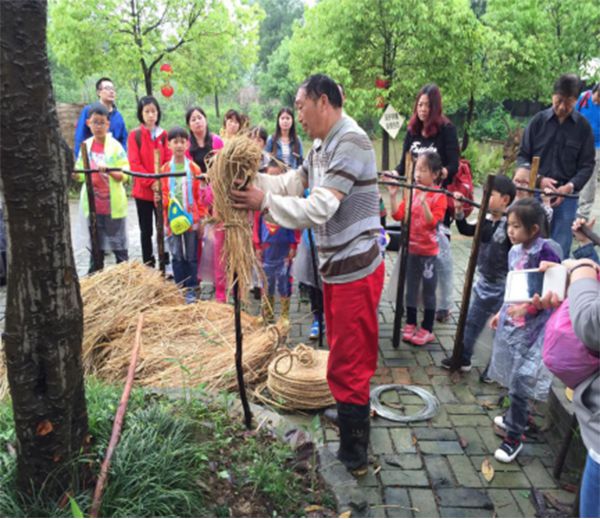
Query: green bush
(485, 158)
(492, 121)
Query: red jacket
(141, 159)
(423, 240)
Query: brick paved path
(433, 469)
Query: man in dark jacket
(564, 141)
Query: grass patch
(176, 458)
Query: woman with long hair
(202, 140)
(285, 144)
(210, 237)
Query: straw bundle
(238, 160)
(299, 378)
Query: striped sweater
(347, 243)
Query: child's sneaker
(422, 337)
(314, 330)
(408, 332)
(508, 450)
(465, 366)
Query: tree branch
(159, 22)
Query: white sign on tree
(391, 121)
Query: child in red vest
(427, 210)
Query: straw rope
(298, 378)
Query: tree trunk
(147, 78)
(217, 104)
(44, 320)
(468, 121)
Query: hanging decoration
(166, 88)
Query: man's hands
(250, 198)
(548, 185)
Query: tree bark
(468, 121)
(44, 320)
(217, 104)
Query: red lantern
(382, 83)
(165, 67)
(167, 90)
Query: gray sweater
(584, 309)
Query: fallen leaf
(488, 405)
(569, 394)
(44, 428)
(347, 513)
(414, 440)
(377, 470)
(312, 508)
(569, 487)
(463, 442)
(487, 470)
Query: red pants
(352, 335)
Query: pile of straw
(182, 345)
(238, 160)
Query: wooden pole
(404, 241)
(93, 224)
(118, 423)
(239, 368)
(160, 229)
(313, 257)
(535, 166)
(470, 273)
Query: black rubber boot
(354, 425)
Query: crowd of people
(328, 201)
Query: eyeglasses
(108, 88)
(99, 123)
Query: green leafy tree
(277, 25)
(276, 82)
(406, 42)
(131, 39)
(227, 58)
(537, 41)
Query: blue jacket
(117, 129)
(295, 160)
(591, 112)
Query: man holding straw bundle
(343, 209)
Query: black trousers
(146, 211)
